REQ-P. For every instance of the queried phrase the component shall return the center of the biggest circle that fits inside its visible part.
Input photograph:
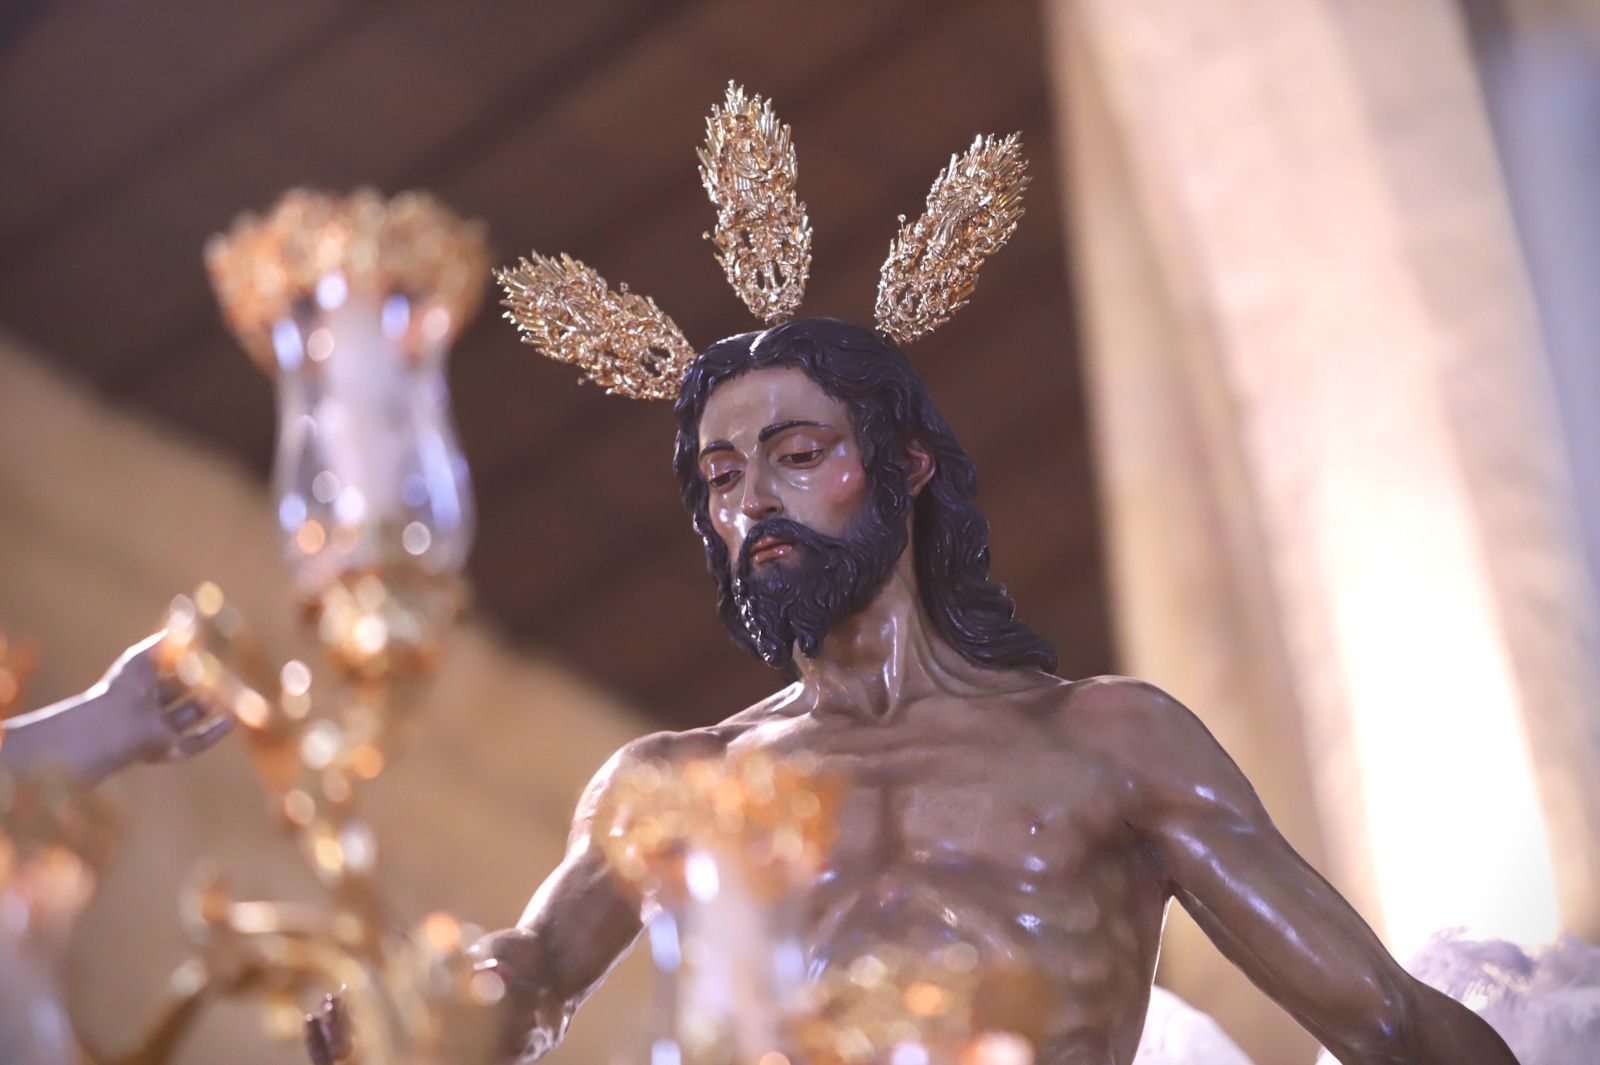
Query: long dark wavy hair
(889, 405)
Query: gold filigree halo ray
(972, 210)
(762, 236)
(627, 345)
(621, 340)
(410, 244)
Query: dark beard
(797, 600)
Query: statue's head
(811, 457)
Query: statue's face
(775, 445)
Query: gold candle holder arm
(346, 302)
(167, 1031)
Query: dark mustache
(785, 529)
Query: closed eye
(723, 479)
(801, 458)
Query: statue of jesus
(1038, 818)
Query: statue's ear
(919, 465)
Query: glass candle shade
(721, 850)
(369, 475)
(351, 305)
(729, 965)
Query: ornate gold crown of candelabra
(625, 343)
(263, 267)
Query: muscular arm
(576, 927)
(1268, 911)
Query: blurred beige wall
(102, 519)
(1338, 518)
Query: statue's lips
(769, 549)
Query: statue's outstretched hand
(129, 716)
(145, 721)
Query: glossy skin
(1038, 818)
(120, 721)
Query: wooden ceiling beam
(80, 203)
(152, 367)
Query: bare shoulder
(708, 742)
(781, 703)
(1123, 709)
(1157, 744)
(654, 747)
(670, 747)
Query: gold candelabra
(350, 304)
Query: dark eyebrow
(777, 427)
(766, 434)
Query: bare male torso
(995, 820)
(1039, 819)
(1046, 820)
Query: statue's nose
(759, 500)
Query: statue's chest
(928, 791)
(1020, 814)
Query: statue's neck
(889, 655)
